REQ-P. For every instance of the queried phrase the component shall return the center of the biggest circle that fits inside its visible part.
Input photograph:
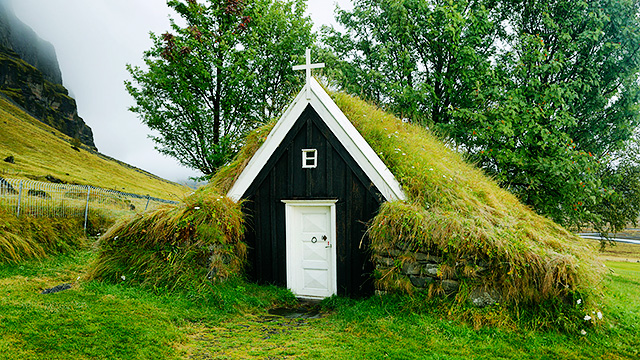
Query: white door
(311, 248)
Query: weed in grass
(36, 238)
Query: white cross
(308, 66)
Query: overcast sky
(94, 40)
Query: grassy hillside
(39, 150)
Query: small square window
(309, 158)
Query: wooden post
(19, 199)
(86, 209)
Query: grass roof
(453, 209)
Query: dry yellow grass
(40, 150)
(620, 252)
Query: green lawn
(96, 320)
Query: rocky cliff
(31, 77)
(19, 37)
(44, 100)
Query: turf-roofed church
(307, 194)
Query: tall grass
(23, 238)
(187, 245)
(455, 212)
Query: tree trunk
(216, 103)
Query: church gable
(311, 163)
(329, 114)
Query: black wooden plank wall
(337, 176)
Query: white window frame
(306, 158)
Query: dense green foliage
(419, 59)
(118, 321)
(207, 83)
(537, 93)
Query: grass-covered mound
(484, 237)
(455, 211)
(176, 246)
(23, 238)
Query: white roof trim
(341, 127)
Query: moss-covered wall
(427, 271)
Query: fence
(35, 198)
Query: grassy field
(96, 320)
(39, 150)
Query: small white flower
(583, 332)
(78, 278)
(196, 208)
(115, 238)
(579, 301)
(430, 169)
(599, 315)
(123, 278)
(587, 318)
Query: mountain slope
(48, 102)
(19, 37)
(39, 150)
(30, 76)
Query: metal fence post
(86, 209)
(19, 199)
(146, 206)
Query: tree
(206, 84)
(568, 98)
(536, 93)
(621, 176)
(416, 58)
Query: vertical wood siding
(337, 176)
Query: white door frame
(293, 266)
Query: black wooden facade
(336, 177)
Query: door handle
(324, 237)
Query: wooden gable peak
(313, 94)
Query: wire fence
(41, 199)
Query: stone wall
(425, 271)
